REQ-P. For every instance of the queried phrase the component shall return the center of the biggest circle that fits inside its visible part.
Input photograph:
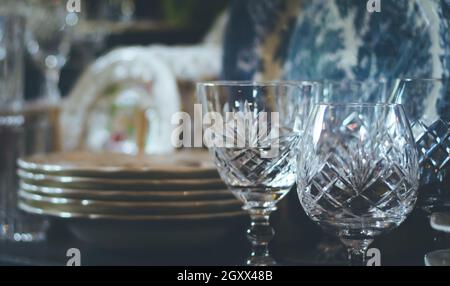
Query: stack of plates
(118, 200)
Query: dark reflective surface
(296, 243)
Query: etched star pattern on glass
(259, 164)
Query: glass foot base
(261, 261)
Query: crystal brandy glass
(357, 172)
(346, 91)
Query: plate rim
(27, 164)
(44, 190)
(61, 201)
(179, 217)
(37, 177)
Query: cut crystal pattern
(367, 176)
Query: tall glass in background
(49, 31)
(48, 36)
(14, 225)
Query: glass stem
(260, 233)
(52, 93)
(357, 249)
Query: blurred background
(107, 75)
(108, 24)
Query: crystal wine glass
(15, 226)
(48, 38)
(426, 103)
(357, 172)
(254, 128)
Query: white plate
(182, 164)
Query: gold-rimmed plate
(177, 165)
(128, 207)
(157, 232)
(127, 195)
(34, 209)
(118, 184)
